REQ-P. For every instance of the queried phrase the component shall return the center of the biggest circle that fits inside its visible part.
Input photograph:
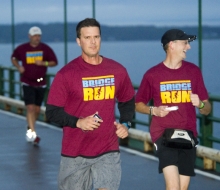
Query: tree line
(54, 32)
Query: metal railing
(207, 157)
(10, 86)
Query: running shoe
(36, 140)
(31, 136)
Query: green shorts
(90, 173)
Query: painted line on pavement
(206, 174)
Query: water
(139, 56)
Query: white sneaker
(30, 135)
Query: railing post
(20, 90)
(48, 76)
(1, 81)
(206, 129)
(11, 83)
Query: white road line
(206, 174)
(197, 171)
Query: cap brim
(35, 34)
(188, 37)
(192, 38)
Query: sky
(113, 12)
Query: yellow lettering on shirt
(175, 91)
(98, 88)
(32, 56)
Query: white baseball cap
(35, 31)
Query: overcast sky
(113, 12)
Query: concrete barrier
(210, 156)
(18, 107)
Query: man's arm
(203, 105)
(159, 111)
(59, 116)
(127, 110)
(142, 108)
(46, 63)
(206, 107)
(15, 62)
(52, 63)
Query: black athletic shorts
(33, 95)
(184, 159)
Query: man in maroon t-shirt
(35, 57)
(90, 85)
(176, 88)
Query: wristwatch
(127, 124)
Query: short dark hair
(86, 23)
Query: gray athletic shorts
(90, 173)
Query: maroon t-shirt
(28, 55)
(172, 87)
(82, 89)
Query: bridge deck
(24, 166)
